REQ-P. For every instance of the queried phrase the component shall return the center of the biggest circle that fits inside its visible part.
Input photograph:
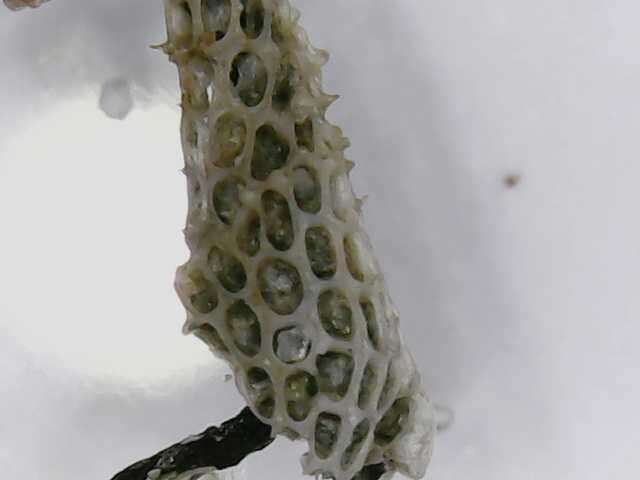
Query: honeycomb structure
(282, 282)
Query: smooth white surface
(519, 303)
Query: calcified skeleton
(282, 282)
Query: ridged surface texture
(282, 281)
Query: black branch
(220, 447)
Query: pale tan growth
(20, 4)
(282, 282)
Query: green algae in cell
(326, 433)
(229, 139)
(321, 253)
(249, 78)
(270, 152)
(304, 135)
(300, 388)
(392, 422)
(249, 234)
(360, 434)
(373, 330)
(244, 328)
(277, 219)
(367, 386)
(226, 199)
(307, 190)
(284, 88)
(229, 270)
(335, 370)
(252, 18)
(280, 285)
(335, 314)
(260, 389)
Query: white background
(520, 304)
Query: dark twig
(220, 447)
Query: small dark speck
(512, 181)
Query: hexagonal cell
(367, 386)
(304, 134)
(320, 251)
(270, 152)
(335, 314)
(226, 198)
(260, 390)
(277, 219)
(326, 434)
(230, 135)
(249, 78)
(291, 345)
(180, 23)
(373, 330)
(284, 87)
(249, 234)
(335, 370)
(392, 422)
(228, 269)
(216, 16)
(307, 190)
(280, 285)
(244, 328)
(353, 258)
(300, 388)
(252, 18)
(358, 438)
(204, 300)
(209, 335)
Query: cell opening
(270, 152)
(230, 136)
(300, 388)
(260, 389)
(307, 190)
(367, 386)
(244, 328)
(249, 234)
(277, 219)
(228, 269)
(249, 78)
(358, 438)
(392, 422)
(320, 252)
(326, 433)
(216, 16)
(354, 263)
(304, 135)
(280, 285)
(209, 335)
(291, 345)
(373, 330)
(226, 199)
(335, 370)
(252, 18)
(335, 314)
(284, 88)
